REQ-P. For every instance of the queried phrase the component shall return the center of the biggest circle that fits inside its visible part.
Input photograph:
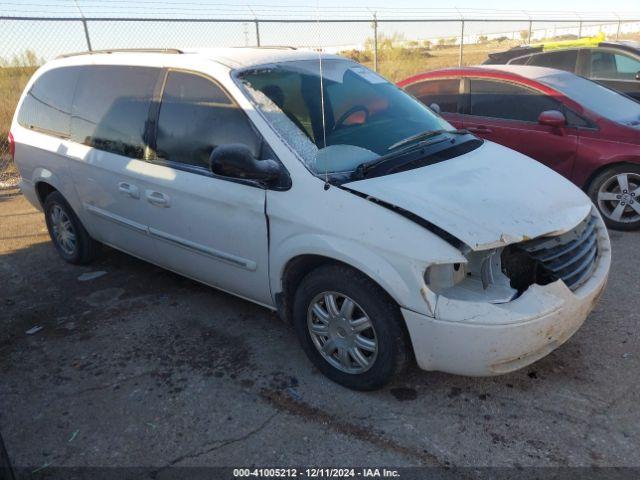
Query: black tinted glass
(195, 117)
(506, 100)
(47, 106)
(111, 108)
(575, 120)
(520, 60)
(444, 93)
(562, 60)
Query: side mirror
(435, 107)
(552, 118)
(637, 75)
(237, 161)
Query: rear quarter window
(47, 105)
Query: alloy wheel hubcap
(342, 332)
(618, 198)
(63, 231)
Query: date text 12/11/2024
(315, 473)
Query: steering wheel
(343, 118)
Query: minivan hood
(490, 197)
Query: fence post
(86, 33)
(375, 43)
(461, 42)
(530, 32)
(257, 24)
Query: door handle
(129, 190)
(158, 199)
(480, 129)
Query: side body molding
(184, 243)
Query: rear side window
(508, 101)
(111, 108)
(613, 66)
(196, 116)
(560, 59)
(47, 106)
(445, 93)
(520, 60)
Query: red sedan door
(507, 113)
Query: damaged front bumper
(479, 338)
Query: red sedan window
(496, 99)
(444, 92)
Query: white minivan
(313, 186)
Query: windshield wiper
(424, 136)
(427, 140)
(363, 168)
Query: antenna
(324, 122)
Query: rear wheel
(349, 328)
(616, 193)
(67, 233)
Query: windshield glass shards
(352, 117)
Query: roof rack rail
(122, 50)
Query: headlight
(480, 278)
(443, 276)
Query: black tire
(86, 248)
(6, 470)
(607, 178)
(393, 350)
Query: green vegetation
(28, 58)
(399, 59)
(14, 75)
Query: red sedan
(587, 132)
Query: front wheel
(615, 192)
(349, 328)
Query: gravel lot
(141, 367)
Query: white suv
(314, 187)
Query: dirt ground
(141, 367)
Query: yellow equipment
(579, 42)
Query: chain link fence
(395, 48)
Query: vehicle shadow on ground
(44, 289)
(49, 290)
(138, 325)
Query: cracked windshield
(365, 116)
